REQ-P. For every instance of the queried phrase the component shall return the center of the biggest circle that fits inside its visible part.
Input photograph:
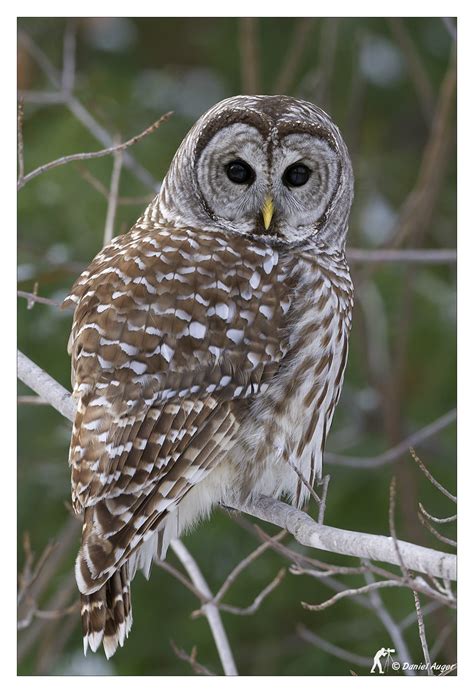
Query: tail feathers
(107, 614)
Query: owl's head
(272, 166)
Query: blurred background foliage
(388, 84)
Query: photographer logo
(383, 660)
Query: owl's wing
(174, 331)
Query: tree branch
(209, 609)
(81, 156)
(305, 530)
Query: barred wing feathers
(173, 332)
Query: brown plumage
(205, 359)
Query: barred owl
(209, 342)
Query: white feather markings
(197, 330)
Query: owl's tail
(107, 613)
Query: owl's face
(273, 166)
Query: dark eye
(296, 175)
(239, 172)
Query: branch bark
(210, 610)
(305, 530)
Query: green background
(382, 82)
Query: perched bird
(209, 342)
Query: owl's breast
(287, 427)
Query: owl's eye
(296, 175)
(239, 172)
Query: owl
(209, 343)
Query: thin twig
(439, 520)
(450, 27)
(421, 630)
(252, 608)
(351, 592)
(396, 451)
(326, 59)
(324, 494)
(425, 256)
(435, 533)
(191, 659)
(305, 482)
(393, 533)
(112, 197)
(392, 628)
(249, 55)
(328, 647)
(49, 614)
(243, 565)
(69, 57)
(332, 570)
(416, 213)
(42, 97)
(102, 189)
(21, 160)
(34, 298)
(81, 113)
(416, 69)
(168, 568)
(431, 478)
(294, 54)
(81, 156)
(440, 640)
(30, 399)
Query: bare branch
(94, 155)
(450, 27)
(328, 647)
(112, 197)
(418, 208)
(21, 160)
(416, 69)
(33, 298)
(168, 568)
(294, 54)
(249, 57)
(322, 505)
(240, 567)
(210, 610)
(393, 534)
(191, 659)
(431, 478)
(45, 386)
(392, 628)
(30, 399)
(102, 189)
(69, 57)
(439, 520)
(435, 533)
(421, 630)
(81, 113)
(411, 618)
(379, 548)
(305, 530)
(412, 255)
(248, 610)
(42, 97)
(351, 592)
(305, 482)
(394, 453)
(440, 640)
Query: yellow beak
(267, 212)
